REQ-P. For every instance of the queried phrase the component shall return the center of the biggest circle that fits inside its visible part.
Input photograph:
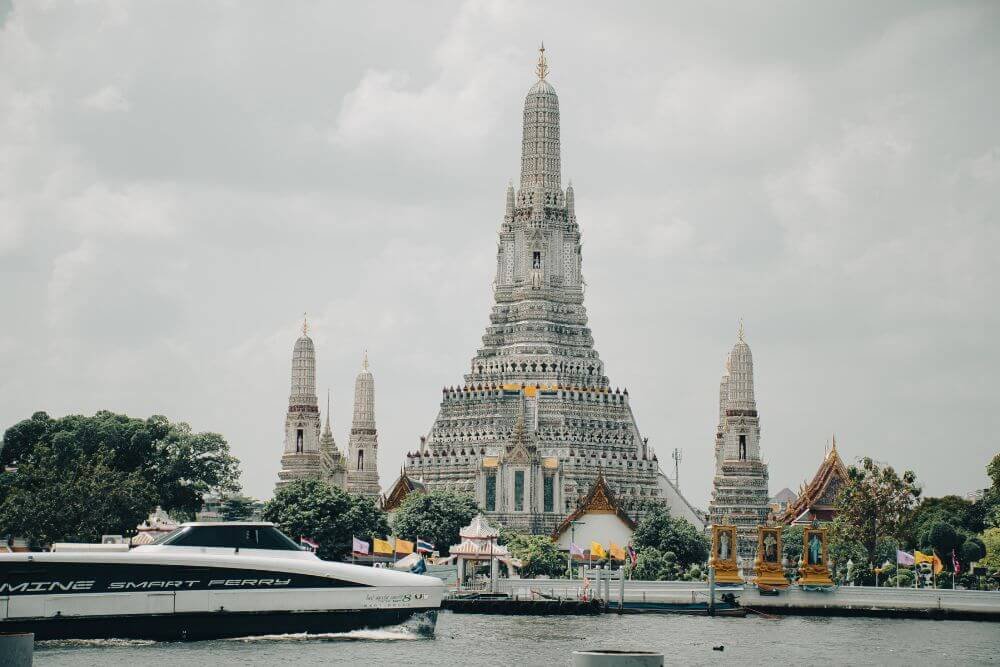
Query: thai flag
(424, 547)
(311, 544)
(359, 546)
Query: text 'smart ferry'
(205, 581)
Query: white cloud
(108, 99)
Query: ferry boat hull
(165, 594)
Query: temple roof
(817, 497)
(599, 500)
(479, 528)
(403, 486)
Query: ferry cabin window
(518, 490)
(230, 537)
(743, 448)
(491, 493)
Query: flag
(359, 546)
(632, 555)
(404, 546)
(903, 558)
(597, 551)
(920, 557)
(956, 568)
(575, 550)
(424, 547)
(382, 547)
(313, 546)
(617, 552)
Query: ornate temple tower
(536, 421)
(362, 448)
(301, 457)
(332, 463)
(740, 495)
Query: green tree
(538, 554)
(791, 544)
(991, 561)
(958, 512)
(78, 477)
(989, 505)
(873, 504)
(236, 508)
(328, 515)
(436, 516)
(658, 530)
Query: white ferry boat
(205, 581)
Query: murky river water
(464, 639)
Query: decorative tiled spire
(304, 370)
(741, 396)
(540, 161)
(364, 398)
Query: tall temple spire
(362, 448)
(740, 494)
(301, 451)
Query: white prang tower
(301, 457)
(362, 448)
(739, 494)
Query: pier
(690, 596)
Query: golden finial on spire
(543, 66)
(305, 325)
(364, 362)
(833, 447)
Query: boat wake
(394, 634)
(91, 643)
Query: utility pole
(677, 468)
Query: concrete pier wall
(940, 603)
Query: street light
(572, 541)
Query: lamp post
(572, 541)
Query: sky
(180, 181)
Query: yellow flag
(597, 551)
(404, 546)
(381, 546)
(617, 552)
(920, 557)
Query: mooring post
(711, 591)
(621, 590)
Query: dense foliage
(874, 504)
(655, 565)
(539, 555)
(667, 534)
(236, 508)
(328, 515)
(76, 477)
(435, 516)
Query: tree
(78, 477)
(436, 516)
(326, 514)
(874, 503)
(658, 530)
(791, 541)
(236, 508)
(538, 554)
(991, 561)
(958, 512)
(990, 502)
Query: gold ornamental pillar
(814, 568)
(723, 559)
(770, 573)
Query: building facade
(362, 448)
(740, 487)
(536, 420)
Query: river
(468, 639)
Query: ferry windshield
(230, 537)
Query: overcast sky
(180, 181)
